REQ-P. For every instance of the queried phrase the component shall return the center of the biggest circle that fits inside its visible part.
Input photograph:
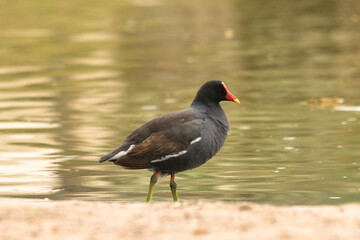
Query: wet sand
(40, 219)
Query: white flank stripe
(169, 156)
(122, 153)
(198, 139)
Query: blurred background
(77, 76)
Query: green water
(77, 76)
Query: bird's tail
(106, 157)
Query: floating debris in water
(170, 100)
(289, 148)
(334, 198)
(229, 33)
(149, 107)
(244, 127)
(348, 108)
(325, 101)
(289, 138)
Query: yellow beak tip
(237, 101)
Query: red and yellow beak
(229, 96)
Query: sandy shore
(39, 219)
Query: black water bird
(178, 141)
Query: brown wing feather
(154, 147)
(160, 137)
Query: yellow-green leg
(173, 186)
(153, 180)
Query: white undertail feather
(122, 153)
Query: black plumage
(181, 140)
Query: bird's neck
(214, 112)
(208, 107)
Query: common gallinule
(178, 141)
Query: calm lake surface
(77, 76)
